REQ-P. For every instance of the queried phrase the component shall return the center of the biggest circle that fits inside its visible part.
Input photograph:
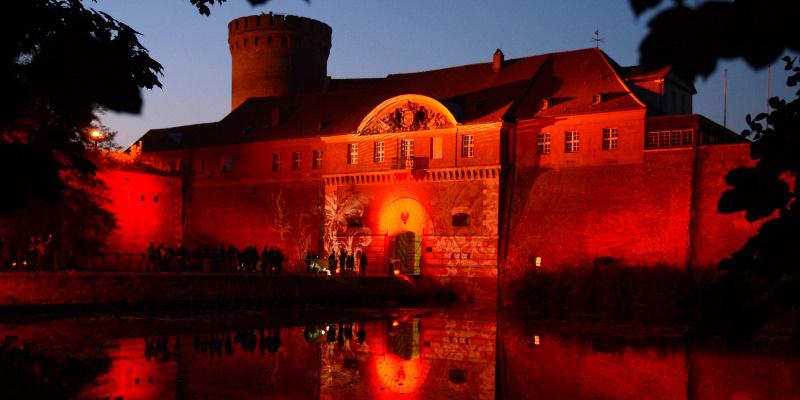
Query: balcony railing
(409, 163)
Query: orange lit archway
(404, 221)
(404, 215)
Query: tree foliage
(204, 6)
(60, 63)
(694, 39)
(765, 273)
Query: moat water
(398, 354)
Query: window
(297, 158)
(380, 149)
(460, 219)
(226, 164)
(317, 161)
(674, 138)
(467, 146)
(155, 199)
(671, 138)
(352, 153)
(276, 162)
(437, 144)
(354, 221)
(543, 143)
(571, 141)
(609, 138)
(407, 148)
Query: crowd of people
(344, 263)
(213, 259)
(38, 254)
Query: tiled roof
(474, 93)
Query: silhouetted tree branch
(204, 6)
(693, 40)
(764, 275)
(60, 64)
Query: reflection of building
(430, 358)
(567, 156)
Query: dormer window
(597, 99)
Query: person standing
(151, 257)
(362, 262)
(351, 263)
(342, 259)
(332, 262)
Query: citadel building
(460, 174)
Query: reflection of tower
(277, 55)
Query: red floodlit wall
(486, 151)
(258, 214)
(661, 212)
(630, 140)
(235, 198)
(147, 207)
(636, 213)
(716, 236)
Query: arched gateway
(405, 222)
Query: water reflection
(410, 355)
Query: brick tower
(277, 55)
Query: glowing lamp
(338, 270)
(395, 323)
(397, 272)
(536, 340)
(538, 262)
(97, 135)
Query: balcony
(413, 163)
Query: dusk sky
(379, 37)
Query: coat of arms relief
(408, 117)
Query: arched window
(460, 219)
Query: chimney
(497, 60)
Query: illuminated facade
(460, 174)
